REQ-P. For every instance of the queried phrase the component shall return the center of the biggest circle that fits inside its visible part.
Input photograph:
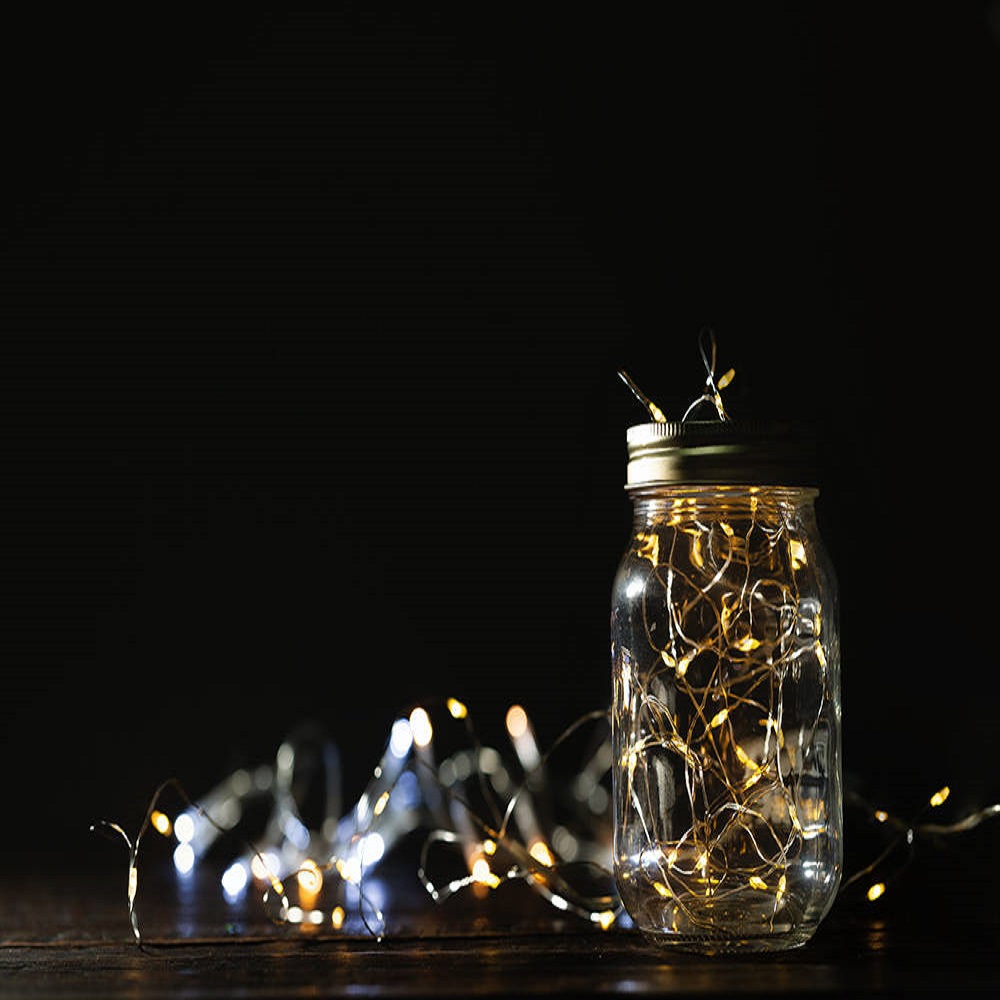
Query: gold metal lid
(723, 452)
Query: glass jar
(728, 810)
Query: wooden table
(64, 932)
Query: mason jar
(726, 710)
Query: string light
(902, 835)
(316, 881)
(465, 796)
(654, 411)
(711, 394)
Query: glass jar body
(728, 803)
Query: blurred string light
(487, 819)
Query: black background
(311, 325)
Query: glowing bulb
(337, 917)
(184, 858)
(876, 890)
(939, 796)
(234, 879)
(420, 726)
(264, 866)
(517, 721)
(371, 849)
(161, 822)
(539, 850)
(719, 718)
(797, 551)
(285, 758)
(680, 665)
(240, 782)
(482, 874)
(400, 739)
(309, 877)
(350, 870)
(184, 827)
(457, 709)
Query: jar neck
(684, 502)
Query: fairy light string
(490, 817)
(462, 794)
(901, 837)
(318, 884)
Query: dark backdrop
(311, 325)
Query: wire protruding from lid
(711, 395)
(654, 411)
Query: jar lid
(724, 452)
